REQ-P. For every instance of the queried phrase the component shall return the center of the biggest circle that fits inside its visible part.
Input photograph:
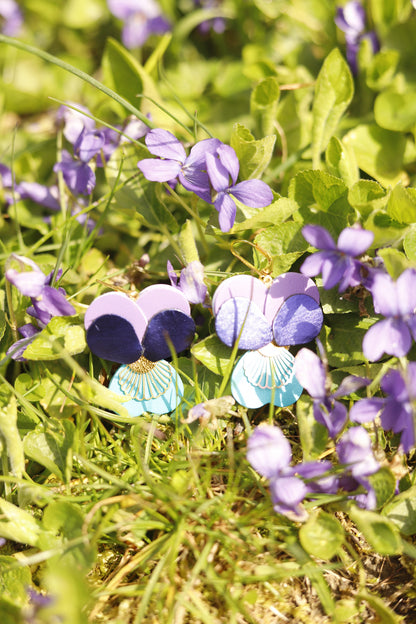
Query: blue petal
(298, 321)
(178, 327)
(113, 338)
(258, 379)
(242, 315)
(158, 391)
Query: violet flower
(191, 281)
(396, 411)
(223, 167)
(217, 24)
(141, 18)
(266, 320)
(269, 453)
(336, 262)
(74, 121)
(355, 452)
(396, 300)
(12, 18)
(351, 19)
(174, 163)
(313, 375)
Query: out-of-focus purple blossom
(191, 281)
(74, 121)
(32, 282)
(28, 331)
(396, 300)
(217, 24)
(351, 19)
(356, 454)
(269, 453)
(78, 175)
(396, 411)
(141, 18)
(47, 196)
(172, 162)
(336, 262)
(313, 376)
(12, 18)
(223, 167)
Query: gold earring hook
(264, 274)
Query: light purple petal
(310, 372)
(88, 144)
(313, 264)
(355, 241)
(197, 155)
(29, 283)
(406, 291)
(42, 195)
(350, 384)
(390, 336)
(164, 144)
(75, 121)
(158, 170)
(331, 414)
(333, 269)
(268, 450)
(171, 274)
(53, 301)
(355, 449)
(253, 193)
(191, 282)
(229, 160)
(287, 493)
(227, 209)
(218, 174)
(318, 237)
(366, 410)
(385, 297)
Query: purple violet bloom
(141, 18)
(173, 162)
(28, 331)
(78, 175)
(74, 121)
(191, 281)
(217, 24)
(336, 262)
(223, 167)
(313, 375)
(355, 452)
(396, 410)
(396, 300)
(269, 453)
(351, 19)
(12, 18)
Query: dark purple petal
(318, 237)
(311, 374)
(333, 269)
(298, 321)
(240, 317)
(314, 470)
(157, 170)
(355, 241)
(268, 450)
(171, 274)
(164, 144)
(253, 193)
(167, 326)
(78, 176)
(52, 301)
(113, 338)
(227, 211)
(390, 336)
(331, 414)
(197, 181)
(351, 18)
(6, 176)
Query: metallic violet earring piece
(265, 320)
(139, 334)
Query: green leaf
(263, 104)
(396, 111)
(284, 243)
(313, 435)
(254, 155)
(322, 535)
(343, 338)
(51, 445)
(401, 205)
(379, 152)
(341, 161)
(402, 511)
(61, 333)
(19, 525)
(14, 582)
(10, 433)
(381, 69)
(394, 260)
(409, 245)
(380, 532)
(277, 212)
(213, 353)
(366, 196)
(384, 483)
(333, 93)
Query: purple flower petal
(287, 493)
(366, 410)
(157, 170)
(390, 336)
(229, 160)
(331, 414)
(164, 144)
(171, 274)
(268, 450)
(355, 449)
(78, 176)
(384, 292)
(227, 211)
(350, 384)
(29, 283)
(253, 193)
(40, 194)
(88, 144)
(355, 241)
(310, 372)
(318, 237)
(406, 292)
(218, 174)
(52, 302)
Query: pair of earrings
(263, 317)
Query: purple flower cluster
(11, 18)
(141, 18)
(351, 19)
(210, 171)
(46, 301)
